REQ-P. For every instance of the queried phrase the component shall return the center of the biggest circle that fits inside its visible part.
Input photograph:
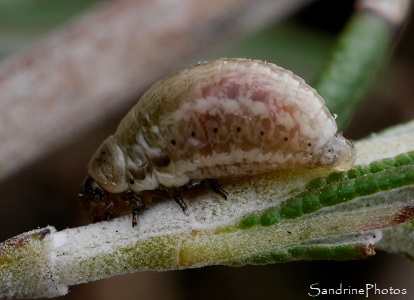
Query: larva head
(118, 170)
(338, 154)
(108, 167)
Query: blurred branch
(399, 240)
(92, 67)
(361, 50)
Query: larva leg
(179, 200)
(192, 184)
(212, 184)
(135, 213)
(216, 188)
(172, 193)
(136, 204)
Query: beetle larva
(219, 119)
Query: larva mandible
(213, 120)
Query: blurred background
(46, 192)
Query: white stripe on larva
(229, 117)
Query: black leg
(137, 206)
(192, 184)
(135, 213)
(172, 193)
(179, 200)
(216, 188)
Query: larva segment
(233, 117)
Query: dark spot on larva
(173, 142)
(309, 144)
(215, 130)
(162, 160)
(261, 133)
(286, 139)
(192, 133)
(238, 129)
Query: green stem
(346, 224)
(356, 58)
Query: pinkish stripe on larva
(229, 117)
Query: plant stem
(359, 53)
(215, 232)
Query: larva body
(220, 119)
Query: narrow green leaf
(359, 53)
